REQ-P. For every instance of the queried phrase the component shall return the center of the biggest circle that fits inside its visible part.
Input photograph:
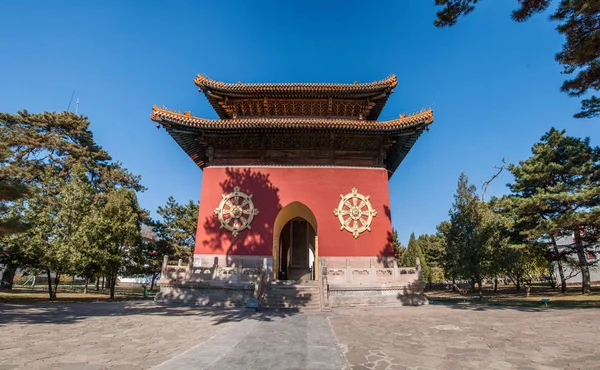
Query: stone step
(314, 306)
(292, 297)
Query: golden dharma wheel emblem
(355, 213)
(236, 211)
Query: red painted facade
(273, 188)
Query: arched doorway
(295, 244)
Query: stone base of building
(215, 294)
(343, 282)
(391, 294)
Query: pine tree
(119, 221)
(433, 252)
(470, 236)
(399, 249)
(414, 251)
(556, 192)
(41, 150)
(11, 190)
(178, 226)
(579, 23)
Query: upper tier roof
(357, 100)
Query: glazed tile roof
(169, 117)
(185, 129)
(327, 89)
(218, 92)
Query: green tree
(178, 226)
(42, 150)
(557, 192)
(579, 23)
(413, 251)
(471, 235)
(11, 218)
(118, 230)
(147, 257)
(58, 211)
(399, 249)
(11, 190)
(433, 251)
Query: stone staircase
(289, 295)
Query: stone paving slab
(469, 337)
(293, 342)
(116, 335)
(125, 335)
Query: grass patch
(508, 297)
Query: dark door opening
(297, 251)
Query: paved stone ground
(293, 342)
(469, 337)
(115, 335)
(143, 335)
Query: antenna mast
(70, 100)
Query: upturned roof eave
(296, 89)
(216, 91)
(270, 124)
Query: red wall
(274, 187)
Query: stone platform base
(348, 295)
(208, 294)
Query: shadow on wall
(259, 239)
(386, 254)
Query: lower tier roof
(186, 129)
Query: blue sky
(493, 84)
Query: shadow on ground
(526, 306)
(68, 313)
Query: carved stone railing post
(163, 271)
(419, 272)
(396, 272)
(190, 267)
(215, 272)
(239, 269)
(324, 289)
(372, 269)
(348, 271)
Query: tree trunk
(56, 282)
(496, 285)
(113, 281)
(561, 273)
(102, 283)
(552, 282)
(154, 275)
(98, 283)
(480, 283)
(453, 284)
(8, 276)
(586, 286)
(50, 291)
(518, 284)
(473, 285)
(33, 282)
(87, 281)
